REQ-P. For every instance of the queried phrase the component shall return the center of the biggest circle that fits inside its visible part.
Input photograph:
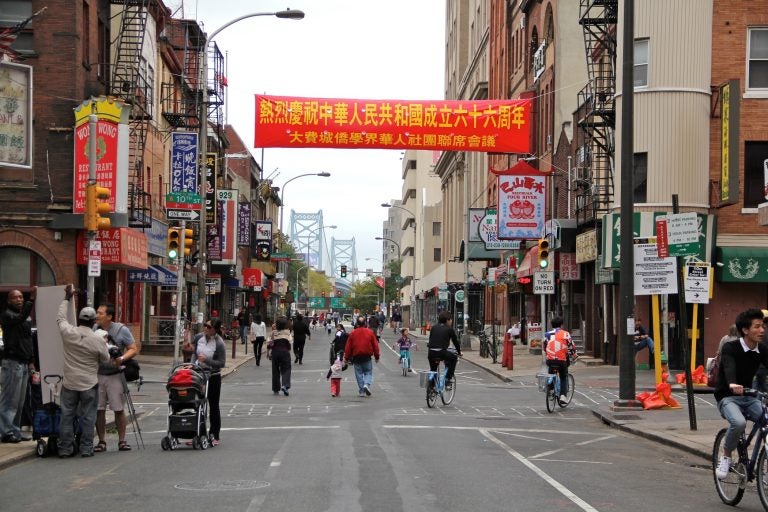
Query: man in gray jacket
(83, 351)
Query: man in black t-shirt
(440, 338)
(300, 334)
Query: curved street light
(390, 240)
(387, 205)
(203, 143)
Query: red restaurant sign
(496, 126)
(120, 247)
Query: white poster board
(49, 343)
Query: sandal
(123, 446)
(100, 447)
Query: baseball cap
(87, 313)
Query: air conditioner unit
(522, 22)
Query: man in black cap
(18, 361)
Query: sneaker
(361, 394)
(723, 467)
(284, 390)
(366, 390)
(215, 442)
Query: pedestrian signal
(543, 253)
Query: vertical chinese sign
(263, 240)
(522, 202)
(244, 224)
(184, 162)
(211, 170)
(111, 151)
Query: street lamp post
(415, 237)
(203, 144)
(392, 241)
(297, 282)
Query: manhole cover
(230, 485)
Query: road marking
(544, 476)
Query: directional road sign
(697, 282)
(188, 215)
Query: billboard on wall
(112, 140)
(228, 226)
(16, 115)
(442, 125)
(521, 202)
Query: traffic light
(338, 293)
(323, 293)
(343, 271)
(96, 205)
(543, 253)
(174, 241)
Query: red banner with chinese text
(120, 247)
(496, 126)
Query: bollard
(234, 348)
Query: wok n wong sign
(445, 125)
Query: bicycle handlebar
(754, 392)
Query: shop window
(755, 170)
(22, 268)
(640, 72)
(757, 59)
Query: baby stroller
(187, 407)
(46, 420)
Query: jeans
(364, 374)
(646, 342)
(406, 354)
(449, 357)
(73, 403)
(734, 409)
(562, 369)
(14, 392)
(258, 343)
(242, 334)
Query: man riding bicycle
(559, 349)
(440, 337)
(739, 361)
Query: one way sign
(697, 283)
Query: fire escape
(181, 96)
(597, 111)
(130, 82)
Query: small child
(404, 344)
(334, 374)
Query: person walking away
(209, 353)
(373, 325)
(404, 344)
(84, 351)
(440, 338)
(328, 326)
(559, 350)
(642, 340)
(258, 335)
(361, 346)
(339, 343)
(243, 321)
(739, 362)
(18, 361)
(111, 381)
(279, 350)
(300, 334)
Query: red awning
(527, 267)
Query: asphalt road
(495, 449)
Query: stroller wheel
(195, 443)
(165, 444)
(203, 442)
(41, 448)
(174, 443)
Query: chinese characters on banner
(183, 162)
(444, 125)
(211, 168)
(569, 269)
(522, 200)
(123, 247)
(244, 224)
(16, 117)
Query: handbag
(131, 370)
(713, 369)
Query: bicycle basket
(424, 379)
(541, 380)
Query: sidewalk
(154, 369)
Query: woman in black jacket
(279, 350)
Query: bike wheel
(404, 364)
(447, 395)
(551, 397)
(569, 396)
(431, 393)
(731, 488)
(762, 478)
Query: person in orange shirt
(560, 350)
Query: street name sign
(653, 275)
(543, 283)
(183, 201)
(697, 282)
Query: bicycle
(551, 387)
(436, 385)
(744, 468)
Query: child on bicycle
(404, 345)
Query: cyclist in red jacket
(560, 350)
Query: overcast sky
(342, 49)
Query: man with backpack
(559, 350)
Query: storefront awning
(742, 265)
(527, 267)
(156, 275)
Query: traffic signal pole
(179, 292)
(93, 120)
